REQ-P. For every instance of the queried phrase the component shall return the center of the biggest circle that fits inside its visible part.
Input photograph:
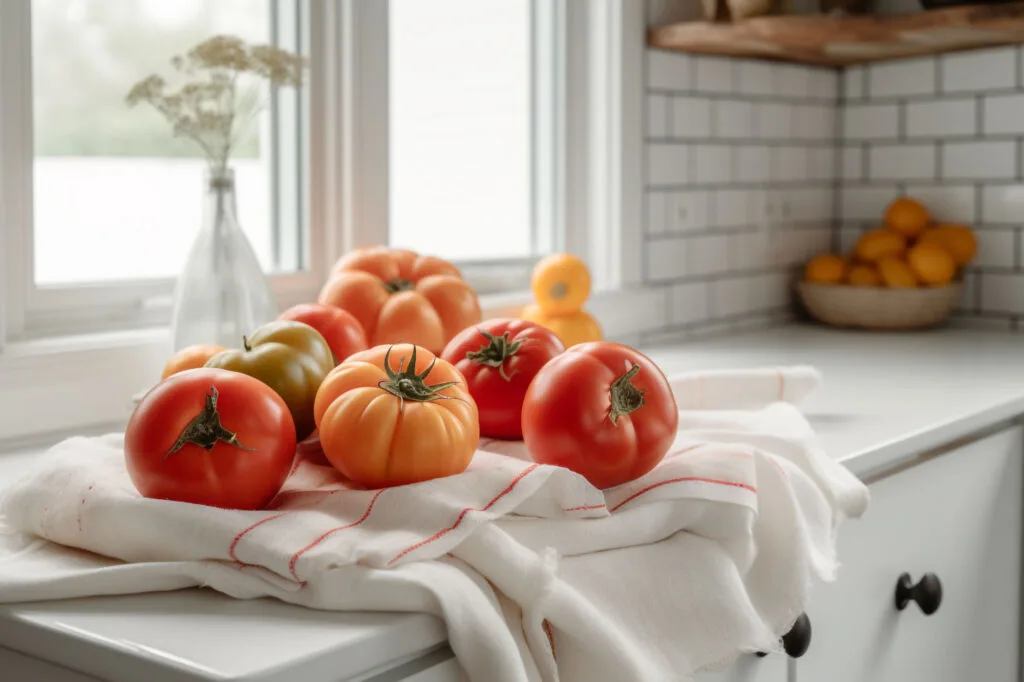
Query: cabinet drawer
(957, 515)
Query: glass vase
(222, 293)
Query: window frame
(48, 384)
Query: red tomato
(499, 359)
(339, 328)
(210, 436)
(603, 410)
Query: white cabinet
(957, 515)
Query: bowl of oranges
(906, 274)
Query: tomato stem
(245, 344)
(496, 352)
(205, 430)
(397, 285)
(626, 398)
(407, 385)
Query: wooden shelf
(841, 41)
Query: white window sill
(80, 383)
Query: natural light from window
(460, 127)
(116, 196)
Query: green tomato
(290, 357)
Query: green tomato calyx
(205, 430)
(494, 354)
(405, 384)
(626, 398)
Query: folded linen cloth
(537, 574)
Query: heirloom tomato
(213, 437)
(401, 297)
(603, 410)
(499, 359)
(396, 414)
(190, 357)
(339, 328)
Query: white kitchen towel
(743, 389)
(538, 575)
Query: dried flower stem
(208, 108)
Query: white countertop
(887, 397)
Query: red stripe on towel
(697, 479)
(444, 531)
(246, 531)
(324, 536)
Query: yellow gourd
(561, 285)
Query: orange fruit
(896, 273)
(826, 268)
(958, 240)
(932, 264)
(560, 284)
(864, 276)
(880, 243)
(190, 357)
(907, 216)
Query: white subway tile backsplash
(902, 162)
(774, 121)
(790, 164)
(814, 122)
(752, 163)
(792, 80)
(714, 74)
(853, 163)
(712, 163)
(709, 254)
(731, 296)
(809, 204)
(636, 310)
(942, 118)
(852, 86)
(1004, 115)
(980, 70)
(689, 303)
(1002, 204)
(946, 203)
(669, 70)
(902, 78)
(755, 78)
(667, 258)
(668, 164)
(979, 160)
(822, 164)
(1002, 293)
(865, 203)
(870, 121)
(691, 117)
(656, 212)
(657, 116)
(732, 208)
(825, 84)
(995, 248)
(733, 119)
(686, 211)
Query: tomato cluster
(396, 376)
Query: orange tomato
(393, 415)
(401, 297)
(560, 283)
(907, 216)
(190, 357)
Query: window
(116, 199)
(461, 128)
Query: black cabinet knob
(797, 640)
(927, 593)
